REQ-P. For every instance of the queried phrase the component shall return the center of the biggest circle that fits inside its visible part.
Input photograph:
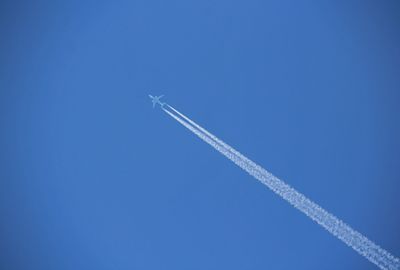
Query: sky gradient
(92, 177)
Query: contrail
(213, 137)
(335, 226)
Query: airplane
(156, 100)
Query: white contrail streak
(213, 137)
(335, 226)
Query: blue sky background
(91, 177)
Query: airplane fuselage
(156, 100)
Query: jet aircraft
(156, 100)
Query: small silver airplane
(156, 99)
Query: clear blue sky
(91, 177)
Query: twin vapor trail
(371, 251)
